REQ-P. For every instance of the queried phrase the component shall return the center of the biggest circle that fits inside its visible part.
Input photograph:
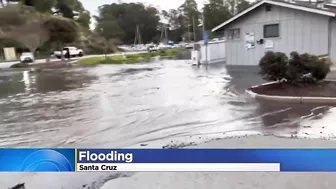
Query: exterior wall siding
(216, 52)
(333, 40)
(298, 31)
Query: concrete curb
(290, 99)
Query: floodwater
(163, 104)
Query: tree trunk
(106, 49)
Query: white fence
(216, 52)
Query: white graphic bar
(178, 167)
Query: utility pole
(204, 39)
(166, 34)
(137, 38)
(162, 34)
(140, 40)
(188, 31)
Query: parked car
(162, 46)
(152, 48)
(69, 52)
(189, 46)
(27, 57)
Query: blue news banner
(66, 160)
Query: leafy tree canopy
(72, 9)
(128, 16)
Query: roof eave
(293, 6)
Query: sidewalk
(332, 73)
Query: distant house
(280, 26)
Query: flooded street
(163, 104)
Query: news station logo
(46, 160)
(37, 160)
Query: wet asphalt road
(162, 104)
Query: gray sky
(92, 5)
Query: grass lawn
(128, 59)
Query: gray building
(279, 26)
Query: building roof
(295, 5)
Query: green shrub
(273, 66)
(19, 65)
(277, 66)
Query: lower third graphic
(37, 160)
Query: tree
(41, 5)
(84, 19)
(191, 15)
(72, 9)
(177, 24)
(35, 35)
(242, 5)
(62, 31)
(11, 16)
(129, 16)
(109, 32)
(64, 9)
(215, 13)
(237, 6)
(13, 22)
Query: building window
(233, 33)
(271, 30)
(236, 34)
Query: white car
(69, 52)
(189, 46)
(27, 57)
(153, 48)
(162, 46)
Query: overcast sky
(92, 5)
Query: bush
(273, 66)
(19, 65)
(276, 66)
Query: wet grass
(19, 65)
(130, 59)
(110, 60)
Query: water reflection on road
(114, 106)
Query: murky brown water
(158, 104)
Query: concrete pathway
(332, 73)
